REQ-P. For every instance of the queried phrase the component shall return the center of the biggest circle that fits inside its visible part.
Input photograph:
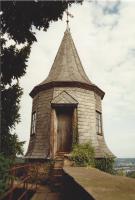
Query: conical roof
(67, 69)
(67, 65)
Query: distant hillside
(120, 162)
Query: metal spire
(68, 15)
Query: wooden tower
(66, 108)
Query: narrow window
(33, 124)
(98, 123)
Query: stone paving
(45, 193)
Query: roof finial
(67, 16)
(70, 15)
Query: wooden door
(64, 129)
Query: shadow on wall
(72, 190)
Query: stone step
(45, 193)
(58, 175)
(59, 164)
(57, 171)
(53, 196)
(56, 178)
(59, 158)
(67, 162)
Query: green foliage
(13, 62)
(105, 164)
(13, 146)
(75, 135)
(19, 18)
(131, 174)
(5, 165)
(12, 68)
(10, 106)
(10, 97)
(83, 155)
(119, 172)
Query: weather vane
(68, 15)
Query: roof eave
(50, 85)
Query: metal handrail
(24, 180)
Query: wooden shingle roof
(67, 69)
(67, 65)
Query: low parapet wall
(73, 190)
(92, 184)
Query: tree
(18, 19)
(5, 165)
(14, 66)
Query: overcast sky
(104, 35)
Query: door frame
(54, 123)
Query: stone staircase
(54, 187)
(57, 173)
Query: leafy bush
(119, 172)
(5, 165)
(83, 155)
(131, 174)
(105, 164)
